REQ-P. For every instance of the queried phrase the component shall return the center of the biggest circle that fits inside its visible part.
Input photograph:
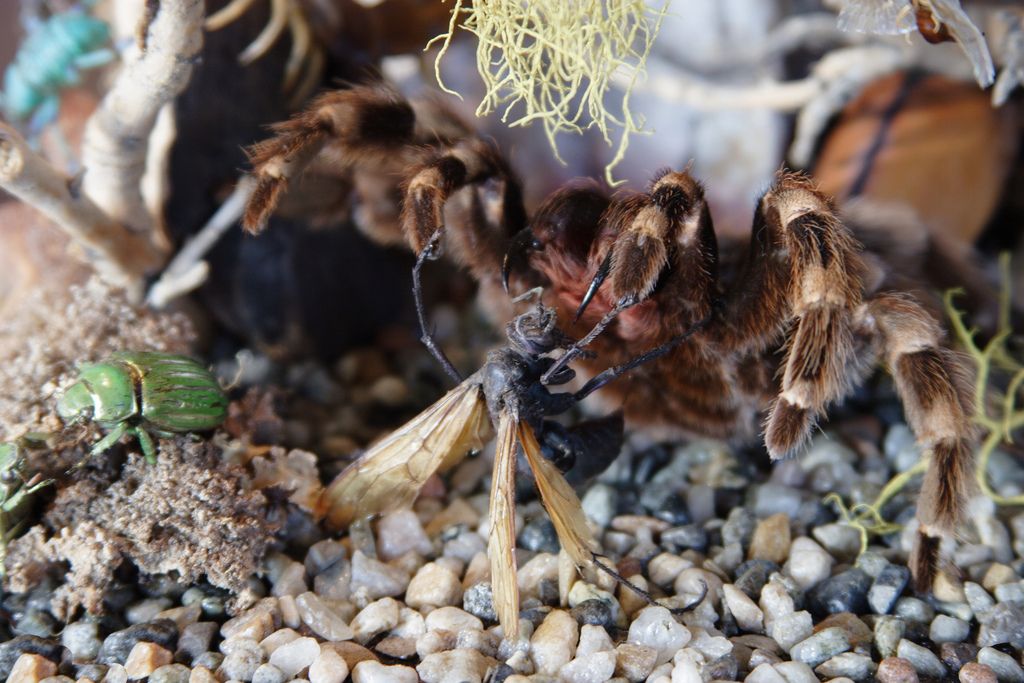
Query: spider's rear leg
(936, 393)
(365, 123)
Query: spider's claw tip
(595, 285)
(518, 253)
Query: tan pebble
(434, 585)
(974, 672)
(554, 642)
(242, 625)
(145, 658)
(629, 600)
(458, 512)
(518, 678)
(352, 653)
(997, 575)
(390, 391)
(541, 567)
(479, 570)
(58, 679)
(947, 588)
(115, 674)
(631, 524)
(375, 672)
(201, 674)
(397, 647)
(896, 670)
(635, 662)
(290, 616)
(771, 539)
(665, 567)
(182, 616)
(31, 668)
(856, 630)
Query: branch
(118, 255)
(115, 143)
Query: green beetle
(16, 494)
(138, 392)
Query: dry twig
(120, 256)
(115, 143)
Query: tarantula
(785, 325)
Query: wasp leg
(584, 450)
(109, 440)
(146, 443)
(430, 252)
(598, 381)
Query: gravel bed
(790, 596)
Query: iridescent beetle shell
(142, 392)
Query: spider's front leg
(367, 123)
(936, 393)
(801, 278)
(479, 227)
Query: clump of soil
(189, 515)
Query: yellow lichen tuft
(552, 61)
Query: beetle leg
(110, 439)
(146, 443)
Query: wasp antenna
(430, 251)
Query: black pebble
(844, 592)
(119, 644)
(14, 648)
(539, 536)
(752, 575)
(595, 612)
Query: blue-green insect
(16, 493)
(139, 392)
(51, 57)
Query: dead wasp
(510, 391)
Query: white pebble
(808, 563)
(748, 615)
(295, 656)
(277, 639)
(433, 586)
(321, 619)
(328, 667)
(411, 624)
(776, 602)
(400, 532)
(374, 579)
(687, 669)
(452, 619)
(453, 666)
(554, 642)
(371, 671)
(654, 627)
(593, 639)
(596, 667)
(791, 629)
(291, 580)
(377, 617)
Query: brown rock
(997, 575)
(31, 668)
(973, 672)
(145, 658)
(634, 662)
(771, 539)
(896, 670)
(856, 630)
(201, 674)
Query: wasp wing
(390, 474)
(502, 537)
(561, 502)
